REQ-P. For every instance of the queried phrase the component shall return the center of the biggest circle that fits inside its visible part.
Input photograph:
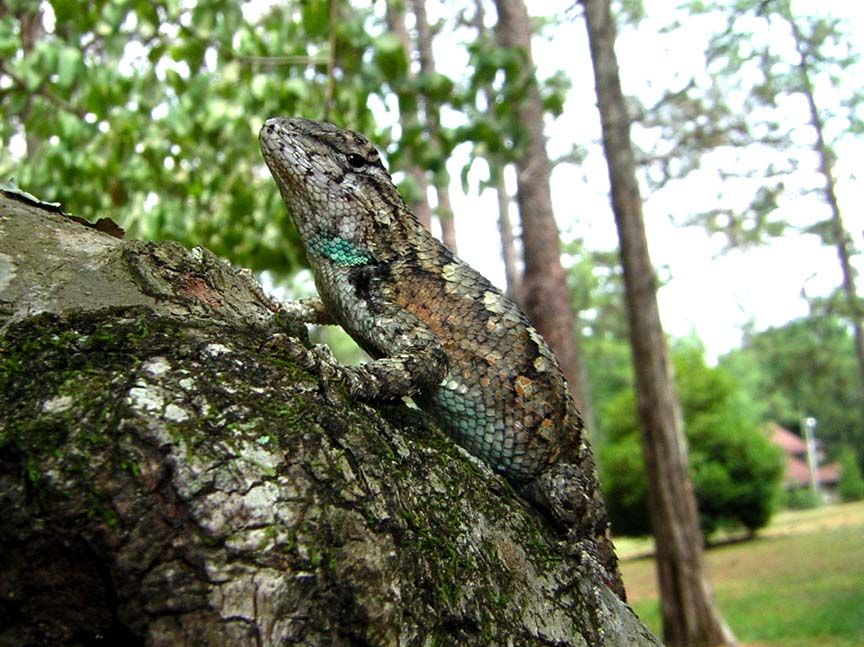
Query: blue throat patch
(339, 250)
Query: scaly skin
(436, 329)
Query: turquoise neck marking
(340, 251)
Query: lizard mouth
(283, 152)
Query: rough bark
(690, 616)
(167, 477)
(544, 284)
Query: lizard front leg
(409, 357)
(310, 310)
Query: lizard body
(436, 329)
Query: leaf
(9, 42)
(390, 56)
(69, 64)
(316, 17)
(296, 88)
(436, 86)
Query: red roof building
(797, 468)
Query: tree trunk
(497, 165)
(544, 284)
(433, 124)
(690, 617)
(508, 243)
(419, 205)
(169, 477)
(838, 231)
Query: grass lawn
(800, 583)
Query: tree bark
(169, 477)
(690, 616)
(508, 244)
(544, 284)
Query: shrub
(851, 485)
(735, 469)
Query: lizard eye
(356, 161)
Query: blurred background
(746, 126)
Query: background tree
(437, 157)
(487, 58)
(806, 367)
(544, 285)
(416, 189)
(776, 106)
(690, 616)
(135, 108)
(851, 485)
(822, 50)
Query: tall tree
(807, 61)
(546, 297)
(418, 195)
(497, 162)
(690, 616)
(431, 117)
(808, 46)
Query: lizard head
(332, 180)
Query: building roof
(797, 472)
(790, 443)
(795, 450)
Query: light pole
(809, 425)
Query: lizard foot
(320, 361)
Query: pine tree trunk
(509, 252)
(433, 124)
(544, 284)
(690, 617)
(508, 243)
(838, 232)
(419, 206)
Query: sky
(706, 293)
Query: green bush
(735, 469)
(851, 485)
(801, 498)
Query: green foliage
(150, 113)
(851, 485)
(800, 498)
(806, 367)
(735, 469)
(764, 60)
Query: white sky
(708, 294)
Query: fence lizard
(436, 329)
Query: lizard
(436, 330)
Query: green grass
(800, 584)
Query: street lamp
(809, 425)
